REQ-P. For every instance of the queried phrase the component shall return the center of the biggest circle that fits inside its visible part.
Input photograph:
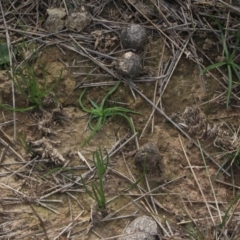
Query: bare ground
(42, 196)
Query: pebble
(142, 228)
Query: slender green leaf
(109, 94)
(97, 197)
(86, 188)
(236, 70)
(236, 44)
(216, 65)
(93, 103)
(229, 61)
(97, 193)
(228, 210)
(80, 102)
(16, 109)
(127, 118)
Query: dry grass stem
(197, 182)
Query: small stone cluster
(76, 20)
(132, 37)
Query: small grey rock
(149, 157)
(77, 21)
(133, 36)
(57, 12)
(55, 22)
(129, 64)
(142, 228)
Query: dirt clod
(191, 119)
(129, 64)
(141, 228)
(149, 157)
(133, 36)
(143, 8)
(77, 21)
(45, 149)
(55, 22)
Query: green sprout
(226, 218)
(29, 87)
(97, 193)
(101, 113)
(4, 55)
(229, 58)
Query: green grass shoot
(100, 113)
(229, 58)
(4, 55)
(226, 215)
(97, 192)
(29, 87)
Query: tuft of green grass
(97, 192)
(29, 87)
(229, 58)
(100, 113)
